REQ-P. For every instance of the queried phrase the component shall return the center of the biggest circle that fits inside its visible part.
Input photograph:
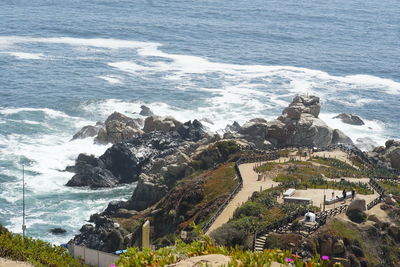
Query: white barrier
(92, 257)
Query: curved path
(250, 185)
(11, 263)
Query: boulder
(87, 131)
(303, 104)
(118, 128)
(146, 111)
(254, 131)
(58, 231)
(349, 119)
(338, 137)
(357, 204)
(388, 156)
(157, 123)
(145, 195)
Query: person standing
(353, 194)
(344, 195)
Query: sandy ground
(10, 263)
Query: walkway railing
(374, 202)
(375, 185)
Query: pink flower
(288, 259)
(325, 258)
(113, 265)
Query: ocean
(67, 64)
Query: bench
(290, 192)
(329, 201)
(301, 200)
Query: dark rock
(234, 127)
(146, 111)
(145, 195)
(57, 231)
(349, 119)
(357, 251)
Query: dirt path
(10, 263)
(250, 185)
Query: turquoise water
(65, 65)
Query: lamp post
(23, 202)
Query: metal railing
(374, 202)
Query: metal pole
(23, 202)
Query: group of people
(344, 194)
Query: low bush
(37, 252)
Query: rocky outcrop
(146, 111)
(299, 125)
(338, 137)
(118, 128)
(158, 123)
(349, 119)
(88, 131)
(156, 154)
(104, 235)
(387, 156)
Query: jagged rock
(157, 123)
(376, 220)
(103, 236)
(234, 127)
(58, 231)
(146, 194)
(388, 156)
(90, 171)
(254, 131)
(118, 128)
(302, 104)
(192, 130)
(338, 137)
(349, 119)
(87, 131)
(146, 111)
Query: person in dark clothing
(344, 194)
(353, 194)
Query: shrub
(37, 252)
(228, 235)
(250, 208)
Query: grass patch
(219, 181)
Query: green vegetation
(37, 252)
(390, 187)
(303, 175)
(260, 211)
(205, 246)
(219, 181)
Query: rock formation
(388, 155)
(299, 125)
(349, 119)
(118, 128)
(146, 111)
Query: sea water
(67, 64)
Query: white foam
(23, 55)
(372, 129)
(111, 79)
